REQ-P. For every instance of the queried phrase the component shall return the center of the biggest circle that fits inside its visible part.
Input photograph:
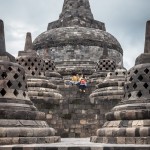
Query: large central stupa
(75, 41)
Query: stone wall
(79, 52)
(76, 116)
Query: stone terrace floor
(75, 144)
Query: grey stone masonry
(103, 66)
(40, 87)
(111, 88)
(129, 121)
(76, 13)
(20, 121)
(76, 38)
(76, 144)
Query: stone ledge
(76, 144)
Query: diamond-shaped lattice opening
(24, 78)
(46, 63)
(3, 92)
(22, 60)
(127, 87)
(46, 68)
(33, 73)
(16, 92)
(136, 71)
(10, 69)
(106, 68)
(38, 64)
(29, 60)
(24, 94)
(139, 94)
(19, 85)
(140, 78)
(32, 64)
(25, 64)
(4, 75)
(145, 85)
(110, 74)
(35, 60)
(124, 73)
(17, 60)
(146, 71)
(16, 76)
(50, 66)
(36, 68)
(103, 65)
(19, 70)
(128, 72)
(134, 85)
(116, 73)
(131, 79)
(29, 68)
(39, 73)
(9, 84)
(129, 95)
(26, 86)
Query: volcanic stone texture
(129, 122)
(77, 39)
(20, 122)
(111, 89)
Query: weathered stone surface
(19, 118)
(132, 113)
(76, 38)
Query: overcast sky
(125, 19)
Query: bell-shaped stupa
(20, 121)
(75, 41)
(129, 122)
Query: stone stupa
(41, 89)
(103, 66)
(20, 121)
(75, 41)
(129, 121)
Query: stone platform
(76, 144)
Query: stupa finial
(147, 38)
(76, 8)
(28, 42)
(2, 37)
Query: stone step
(76, 144)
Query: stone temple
(38, 106)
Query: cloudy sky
(125, 19)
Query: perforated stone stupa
(20, 121)
(129, 122)
(41, 89)
(103, 66)
(75, 41)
